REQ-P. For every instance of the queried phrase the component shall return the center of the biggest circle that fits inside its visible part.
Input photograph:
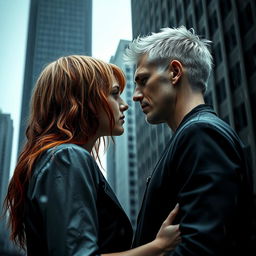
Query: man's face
(154, 91)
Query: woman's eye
(115, 93)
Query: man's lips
(144, 106)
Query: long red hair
(64, 109)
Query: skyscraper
(56, 28)
(6, 136)
(231, 25)
(121, 157)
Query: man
(202, 167)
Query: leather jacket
(202, 168)
(70, 208)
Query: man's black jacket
(202, 169)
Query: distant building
(56, 28)
(231, 25)
(6, 137)
(121, 156)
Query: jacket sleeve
(207, 166)
(66, 192)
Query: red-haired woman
(59, 202)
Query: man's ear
(176, 71)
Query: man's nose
(137, 95)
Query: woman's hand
(168, 235)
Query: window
(225, 8)
(178, 13)
(230, 39)
(213, 23)
(190, 22)
(217, 55)
(208, 98)
(235, 77)
(240, 117)
(199, 9)
(245, 19)
(250, 60)
(221, 91)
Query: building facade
(231, 25)
(56, 28)
(6, 137)
(121, 156)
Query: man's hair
(180, 44)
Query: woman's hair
(176, 44)
(64, 109)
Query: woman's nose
(123, 106)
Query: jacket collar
(198, 109)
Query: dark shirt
(202, 168)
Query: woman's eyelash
(115, 92)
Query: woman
(59, 202)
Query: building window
(225, 8)
(240, 117)
(235, 77)
(213, 23)
(178, 13)
(190, 22)
(131, 173)
(217, 55)
(253, 107)
(221, 91)
(226, 119)
(130, 129)
(199, 9)
(230, 39)
(208, 98)
(245, 19)
(130, 147)
(131, 164)
(250, 60)
(132, 202)
(131, 155)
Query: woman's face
(118, 107)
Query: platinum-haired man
(202, 167)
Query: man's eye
(144, 80)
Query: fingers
(169, 220)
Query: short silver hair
(180, 44)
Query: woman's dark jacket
(202, 169)
(71, 209)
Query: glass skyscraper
(56, 28)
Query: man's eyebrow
(139, 76)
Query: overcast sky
(111, 22)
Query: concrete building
(231, 25)
(6, 137)
(121, 156)
(56, 28)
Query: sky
(111, 22)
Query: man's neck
(183, 106)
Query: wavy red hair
(64, 109)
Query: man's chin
(151, 120)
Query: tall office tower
(121, 156)
(231, 25)
(56, 28)
(6, 135)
